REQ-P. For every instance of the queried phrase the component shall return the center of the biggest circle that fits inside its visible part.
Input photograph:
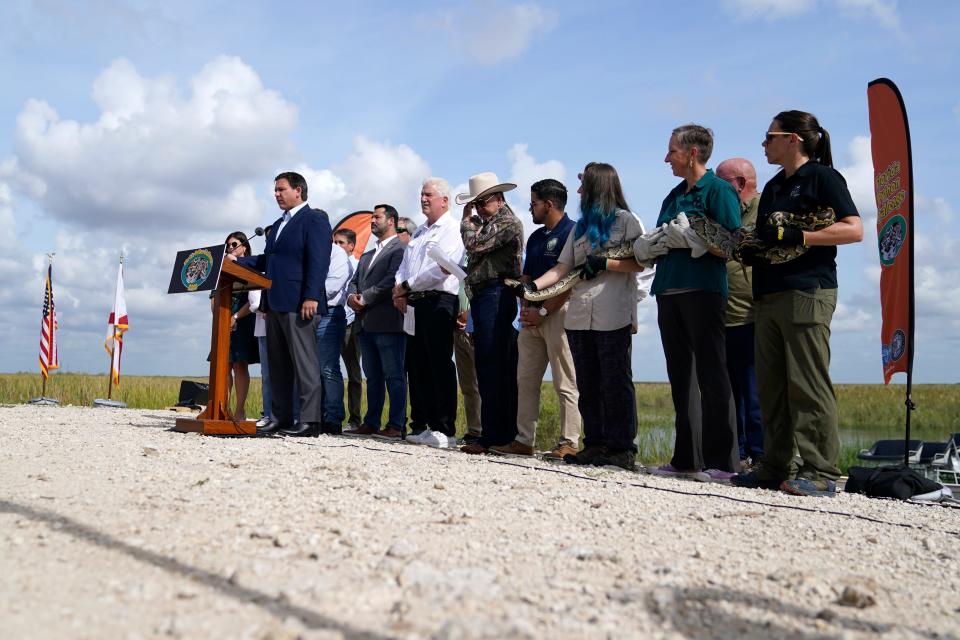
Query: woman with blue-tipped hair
(601, 317)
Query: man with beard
(379, 327)
(542, 339)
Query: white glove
(643, 247)
(675, 232)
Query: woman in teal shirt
(691, 297)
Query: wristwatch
(542, 311)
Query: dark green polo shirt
(710, 197)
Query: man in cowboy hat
(493, 239)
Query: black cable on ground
(644, 485)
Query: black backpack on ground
(889, 482)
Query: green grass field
(867, 412)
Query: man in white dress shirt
(350, 351)
(432, 293)
(330, 333)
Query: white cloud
(883, 11)
(859, 175)
(512, 29)
(154, 157)
(851, 319)
(373, 173)
(937, 207)
(8, 224)
(524, 171)
(768, 9)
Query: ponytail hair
(815, 139)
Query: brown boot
(361, 430)
(562, 449)
(515, 448)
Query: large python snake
(751, 250)
(566, 282)
(742, 245)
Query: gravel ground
(113, 526)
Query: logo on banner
(891, 238)
(196, 269)
(894, 351)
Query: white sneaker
(263, 421)
(416, 438)
(437, 439)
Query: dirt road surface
(114, 526)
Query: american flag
(48, 330)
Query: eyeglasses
(480, 202)
(771, 134)
(233, 245)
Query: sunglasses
(480, 202)
(401, 229)
(233, 245)
(772, 134)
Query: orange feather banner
(359, 223)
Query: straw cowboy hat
(483, 184)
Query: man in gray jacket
(379, 327)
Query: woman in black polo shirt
(795, 301)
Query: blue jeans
(493, 309)
(382, 356)
(743, 381)
(265, 376)
(330, 332)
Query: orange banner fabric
(359, 223)
(893, 186)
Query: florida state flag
(893, 185)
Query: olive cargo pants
(797, 400)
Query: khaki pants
(467, 378)
(793, 378)
(538, 346)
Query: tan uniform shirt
(739, 278)
(609, 301)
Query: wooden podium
(216, 419)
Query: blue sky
(151, 127)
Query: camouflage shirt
(494, 246)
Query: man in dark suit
(296, 259)
(379, 326)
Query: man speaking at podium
(296, 259)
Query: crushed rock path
(114, 526)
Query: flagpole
(910, 405)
